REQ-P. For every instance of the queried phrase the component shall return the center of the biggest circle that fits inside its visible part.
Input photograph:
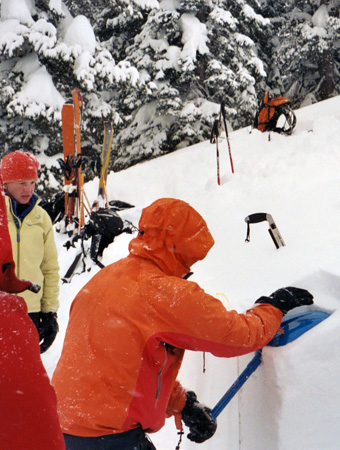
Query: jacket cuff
(176, 403)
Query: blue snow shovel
(293, 326)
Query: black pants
(130, 440)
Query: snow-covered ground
(292, 402)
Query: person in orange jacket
(116, 379)
(28, 404)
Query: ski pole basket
(273, 230)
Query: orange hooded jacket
(130, 324)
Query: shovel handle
(236, 386)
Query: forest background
(157, 70)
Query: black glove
(48, 329)
(288, 298)
(198, 419)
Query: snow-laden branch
(12, 36)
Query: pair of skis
(214, 139)
(71, 115)
(102, 168)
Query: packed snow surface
(292, 401)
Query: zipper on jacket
(18, 248)
(168, 349)
(160, 373)
(17, 223)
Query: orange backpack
(268, 116)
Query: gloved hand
(48, 329)
(288, 298)
(198, 419)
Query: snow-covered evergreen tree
(305, 59)
(238, 36)
(197, 54)
(157, 69)
(45, 52)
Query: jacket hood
(173, 235)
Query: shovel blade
(296, 324)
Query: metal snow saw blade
(273, 230)
(293, 325)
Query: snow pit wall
(282, 406)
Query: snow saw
(273, 230)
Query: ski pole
(89, 208)
(218, 162)
(227, 135)
(213, 139)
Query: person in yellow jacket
(32, 237)
(116, 379)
